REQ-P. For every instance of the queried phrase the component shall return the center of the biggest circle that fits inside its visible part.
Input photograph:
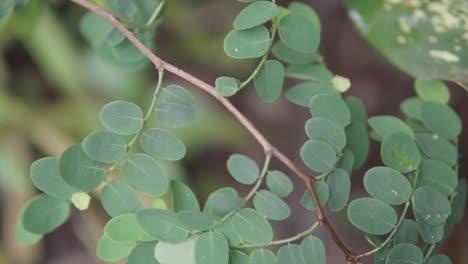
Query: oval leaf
(271, 206)
(162, 144)
(388, 185)
(146, 175)
(44, 214)
(249, 43)
(105, 147)
(372, 216)
(256, 14)
(79, 171)
(123, 118)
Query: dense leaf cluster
(419, 155)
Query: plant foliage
(419, 156)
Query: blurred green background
(52, 86)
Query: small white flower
(342, 84)
(81, 200)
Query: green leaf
(313, 251)
(301, 94)
(162, 144)
(115, 37)
(175, 115)
(339, 184)
(105, 147)
(315, 72)
(388, 185)
(386, 126)
(6, 7)
(252, 227)
(318, 155)
(197, 221)
(306, 11)
(423, 41)
(429, 233)
(432, 205)
(299, 33)
(439, 259)
(262, 256)
(439, 176)
(123, 229)
(45, 176)
(323, 129)
(123, 118)
(412, 107)
(146, 175)
(43, 214)
(238, 257)
(430, 90)
(282, 52)
(459, 202)
(279, 183)
(183, 199)
(223, 201)
(212, 248)
(358, 142)
(162, 225)
(23, 236)
(109, 250)
(290, 254)
(346, 161)
(323, 194)
(407, 232)
(357, 109)
(441, 119)
(178, 95)
(228, 229)
(399, 151)
(118, 198)
(143, 253)
(330, 107)
(78, 170)
(269, 81)
(437, 148)
(175, 253)
(271, 206)
(405, 253)
(227, 86)
(243, 169)
(372, 216)
(256, 14)
(249, 43)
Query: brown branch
(266, 145)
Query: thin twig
(266, 145)
(254, 190)
(285, 240)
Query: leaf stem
(402, 217)
(149, 111)
(155, 14)
(392, 234)
(274, 29)
(429, 252)
(266, 164)
(286, 240)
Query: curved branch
(266, 145)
